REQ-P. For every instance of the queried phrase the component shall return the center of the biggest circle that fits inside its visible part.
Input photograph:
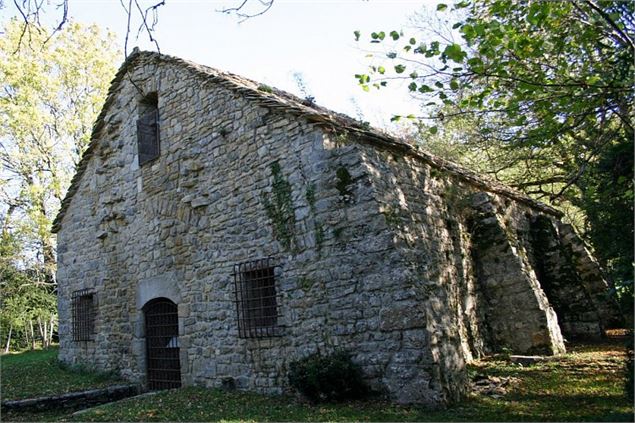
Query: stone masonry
(409, 262)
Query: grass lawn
(38, 373)
(584, 385)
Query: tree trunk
(6, 349)
(51, 328)
(41, 325)
(32, 334)
(40, 329)
(26, 336)
(7, 218)
(48, 251)
(47, 341)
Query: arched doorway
(162, 344)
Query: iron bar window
(83, 313)
(256, 299)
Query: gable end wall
(176, 227)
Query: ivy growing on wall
(279, 207)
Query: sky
(310, 37)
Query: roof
(288, 103)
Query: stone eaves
(287, 103)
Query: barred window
(83, 309)
(256, 299)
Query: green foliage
(52, 90)
(332, 377)
(392, 214)
(319, 236)
(310, 196)
(265, 88)
(306, 283)
(607, 198)
(533, 74)
(28, 303)
(456, 199)
(279, 207)
(341, 138)
(317, 227)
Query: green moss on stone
(305, 283)
(310, 196)
(392, 215)
(434, 173)
(265, 88)
(340, 139)
(319, 236)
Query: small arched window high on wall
(148, 129)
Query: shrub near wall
(324, 378)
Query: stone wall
(467, 275)
(175, 228)
(505, 272)
(519, 314)
(599, 310)
(412, 269)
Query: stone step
(73, 399)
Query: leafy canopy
(549, 69)
(52, 90)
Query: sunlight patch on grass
(38, 373)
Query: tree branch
(144, 20)
(63, 21)
(624, 37)
(129, 14)
(238, 10)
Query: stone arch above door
(163, 286)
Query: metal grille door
(162, 344)
(83, 312)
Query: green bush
(332, 377)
